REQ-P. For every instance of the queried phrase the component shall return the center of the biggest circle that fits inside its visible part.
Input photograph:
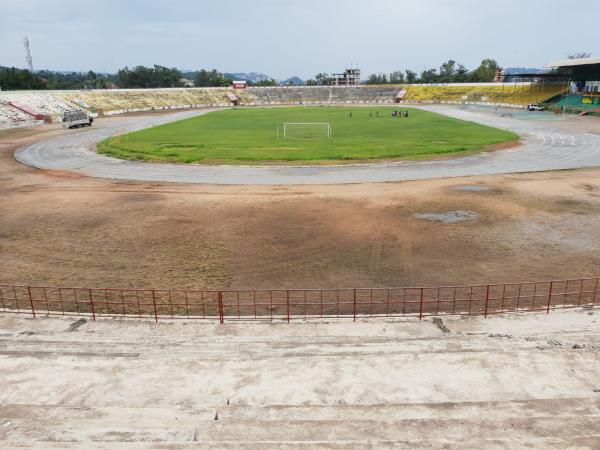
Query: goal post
(305, 130)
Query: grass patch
(248, 136)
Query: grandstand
(583, 95)
(119, 101)
(53, 104)
(364, 94)
(44, 103)
(493, 93)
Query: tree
(165, 77)
(267, 82)
(76, 80)
(93, 81)
(429, 76)
(380, 78)
(397, 77)
(447, 71)
(149, 77)
(411, 77)
(461, 75)
(212, 78)
(12, 78)
(323, 79)
(486, 72)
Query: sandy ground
(58, 228)
(526, 380)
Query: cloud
(294, 37)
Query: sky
(283, 38)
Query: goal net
(296, 130)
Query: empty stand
(45, 103)
(120, 101)
(53, 104)
(489, 93)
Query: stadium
(347, 265)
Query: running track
(545, 147)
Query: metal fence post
(220, 306)
(387, 303)
(92, 304)
(31, 302)
(549, 297)
(421, 306)
(487, 299)
(354, 305)
(154, 306)
(287, 299)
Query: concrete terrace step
(161, 415)
(305, 424)
(322, 432)
(502, 382)
(558, 443)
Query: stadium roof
(549, 75)
(573, 62)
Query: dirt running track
(521, 381)
(546, 146)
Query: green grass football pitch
(249, 136)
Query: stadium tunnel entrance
(400, 96)
(235, 101)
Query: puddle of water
(473, 188)
(450, 216)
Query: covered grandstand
(583, 94)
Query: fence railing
(304, 304)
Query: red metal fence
(304, 304)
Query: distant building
(240, 84)
(499, 75)
(350, 77)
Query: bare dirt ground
(58, 228)
(519, 381)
